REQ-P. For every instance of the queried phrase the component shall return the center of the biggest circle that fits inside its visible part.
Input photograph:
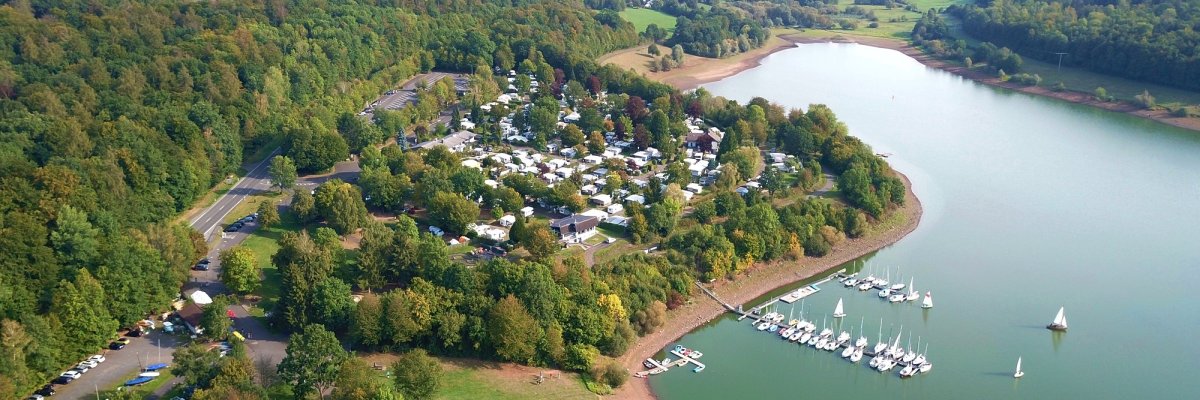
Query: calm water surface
(1030, 204)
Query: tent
(201, 298)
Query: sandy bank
(760, 279)
(697, 70)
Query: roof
(191, 314)
(571, 220)
(450, 141)
(713, 135)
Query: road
(256, 181)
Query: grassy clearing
(1085, 81)
(264, 243)
(475, 379)
(249, 205)
(643, 17)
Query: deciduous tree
(314, 358)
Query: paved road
(256, 181)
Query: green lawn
(643, 17)
(264, 243)
(485, 382)
(143, 390)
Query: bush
(1026, 79)
(1145, 100)
(611, 374)
(1059, 86)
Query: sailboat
(862, 338)
(928, 302)
(913, 294)
(1019, 372)
(879, 344)
(838, 312)
(1060, 321)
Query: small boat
(796, 336)
(849, 351)
(787, 332)
(764, 326)
(874, 361)
(805, 337)
(928, 302)
(886, 365)
(850, 282)
(857, 355)
(773, 328)
(778, 318)
(865, 286)
(838, 312)
(155, 367)
(831, 345)
(843, 337)
(898, 286)
(1060, 321)
(1019, 372)
(149, 374)
(138, 381)
(926, 367)
(909, 357)
(884, 293)
(896, 298)
(821, 342)
(813, 340)
(695, 354)
(698, 369)
(913, 294)
(649, 363)
(908, 371)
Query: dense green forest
(1150, 40)
(110, 126)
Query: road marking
(231, 189)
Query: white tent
(201, 298)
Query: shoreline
(758, 280)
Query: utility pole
(1060, 56)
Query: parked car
(73, 374)
(35, 397)
(88, 363)
(135, 332)
(119, 344)
(234, 227)
(201, 267)
(610, 240)
(47, 390)
(97, 358)
(62, 380)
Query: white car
(71, 374)
(89, 364)
(99, 358)
(610, 240)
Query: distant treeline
(1151, 40)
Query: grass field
(475, 379)
(643, 17)
(264, 243)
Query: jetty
(789, 297)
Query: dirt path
(761, 279)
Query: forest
(1152, 40)
(113, 126)
(716, 32)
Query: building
(575, 228)
(456, 141)
(508, 220)
(191, 315)
(709, 140)
(601, 199)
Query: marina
(686, 356)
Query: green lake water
(1030, 204)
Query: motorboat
(884, 293)
(896, 298)
(865, 286)
(764, 326)
(773, 328)
(1060, 321)
(850, 282)
(698, 369)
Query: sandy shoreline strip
(759, 280)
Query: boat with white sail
(1019, 372)
(1060, 321)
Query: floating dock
(799, 294)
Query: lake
(1030, 204)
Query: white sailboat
(838, 312)
(862, 337)
(1019, 372)
(928, 302)
(857, 355)
(1060, 321)
(879, 344)
(913, 294)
